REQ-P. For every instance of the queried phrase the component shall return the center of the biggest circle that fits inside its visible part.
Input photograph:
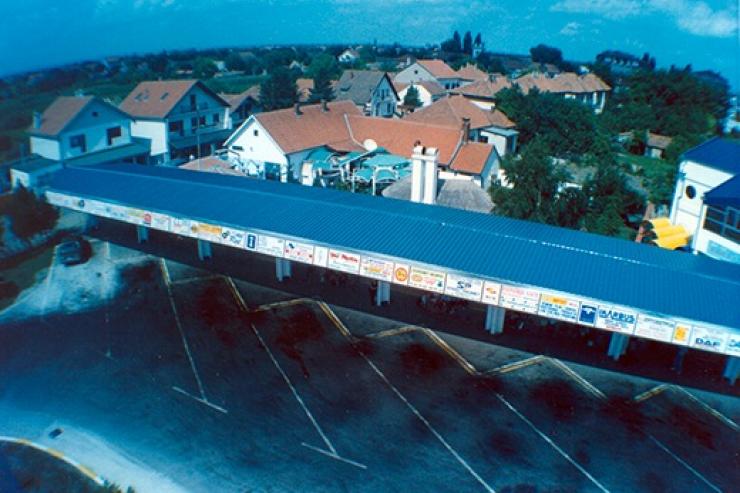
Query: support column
(142, 234)
(282, 269)
(384, 290)
(495, 319)
(618, 345)
(204, 250)
(732, 369)
(91, 222)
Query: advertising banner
(76, 203)
(58, 199)
(181, 227)
(270, 245)
(491, 292)
(376, 268)
(655, 328)
(300, 252)
(587, 314)
(233, 237)
(95, 207)
(428, 279)
(344, 261)
(113, 211)
(708, 339)
(682, 334)
(467, 288)
(209, 232)
(520, 299)
(251, 241)
(733, 345)
(559, 307)
(401, 273)
(320, 256)
(138, 216)
(616, 319)
(161, 221)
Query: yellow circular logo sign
(401, 274)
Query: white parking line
(683, 463)
(202, 401)
(551, 443)
(588, 386)
(708, 408)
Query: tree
(478, 40)
(29, 214)
(610, 200)
(278, 90)
(204, 68)
(411, 99)
(322, 88)
(457, 45)
(546, 54)
(468, 43)
(235, 62)
(326, 63)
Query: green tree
(546, 54)
(411, 99)
(235, 62)
(29, 214)
(204, 68)
(467, 47)
(326, 64)
(322, 87)
(278, 90)
(610, 201)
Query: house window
(193, 124)
(216, 118)
(175, 127)
(78, 142)
(113, 133)
(690, 192)
(388, 108)
(192, 102)
(483, 139)
(202, 121)
(256, 133)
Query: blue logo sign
(617, 316)
(251, 241)
(587, 315)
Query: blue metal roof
(718, 153)
(728, 193)
(521, 252)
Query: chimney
(36, 119)
(324, 106)
(417, 173)
(298, 111)
(465, 130)
(430, 157)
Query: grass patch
(656, 175)
(22, 270)
(233, 84)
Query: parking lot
(171, 378)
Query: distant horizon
(42, 34)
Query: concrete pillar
(495, 319)
(204, 250)
(618, 345)
(282, 269)
(384, 290)
(732, 369)
(142, 234)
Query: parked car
(73, 251)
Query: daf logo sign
(708, 343)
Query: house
(487, 126)
(587, 88)
(242, 105)
(430, 70)
(85, 130)
(277, 143)
(349, 56)
(372, 91)
(429, 91)
(181, 118)
(297, 66)
(483, 92)
(470, 73)
(706, 200)
(655, 145)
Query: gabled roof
(451, 110)
(211, 164)
(438, 69)
(472, 158)
(157, 98)
(59, 114)
(432, 87)
(358, 85)
(658, 141)
(567, 82)
(236, 100)
(484, 89)
(459, 194)
(312, 128)
(721, 154)
(471, 72)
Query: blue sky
(39, 33)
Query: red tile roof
(567, 82)
(60, 113)
(472, 158)
(471, 72)
(438, 69)
(236, 100)
(211, 164)
(313, 128)
(156, 99)
(658, 141)
(486, 88)
(451, 110)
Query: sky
(42, 33)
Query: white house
(348, 56)
(430, 70)
(429, 91)
(84, 130)
(181, 118)
(371, 90)
(706, 200)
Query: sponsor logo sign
(467, 288)
(491, 292)
(320, 256)
(181, 227)
(116, 212)
(656, 328)
(138, 216)
(430, 280)
(232, 237)
(733, 345)
(587, 314)
(708, 339)
(616, 318)
(401, 273)
(270, 245)
(343, 261)
(520, 299)
(559, 307)
(59, 199)
(376, 268)
(300, 252)
(209, 232)
(160, 221)
(682, 334)
(251, 241)
(95, 207)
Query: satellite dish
(370, 145)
